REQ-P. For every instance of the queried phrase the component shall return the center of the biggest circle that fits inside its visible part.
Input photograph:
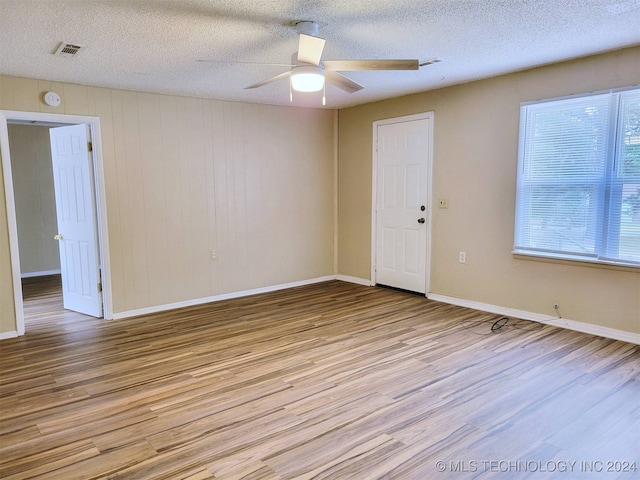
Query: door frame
(99, 193)
(374, 187)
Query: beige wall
(34, 198)
(475, 157)
(186, 176)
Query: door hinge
(90, 146)
(100, 287)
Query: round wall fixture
(52, 99)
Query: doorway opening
(43, 304)
(96, 194)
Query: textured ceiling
(156, 45)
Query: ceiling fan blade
(247, 63)
(310, 49)
(430, 62)
(342, 82)
(269, 80)
(352, 65)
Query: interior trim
(360, 281)
(606, 332)
(216, 298)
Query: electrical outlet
(462, 257)
(214, 255)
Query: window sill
(578, 262)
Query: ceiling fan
(309, 73)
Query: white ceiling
(156, 45)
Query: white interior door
(77, 225)
(401, 204)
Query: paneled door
(401, 210)
(76, 214)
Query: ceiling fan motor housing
(307, 27)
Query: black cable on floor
(499, 324)
(503, 324)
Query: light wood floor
(332, 380)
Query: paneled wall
(34, 198)
(254, 183)
(188, 177)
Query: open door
(76, 214)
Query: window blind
(578, 169)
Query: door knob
(58, 237)
(421, 220)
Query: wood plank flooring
(331, 381)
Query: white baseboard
(5, 335)
(359, 281)
(215, 298)
(606, 332)
(40, 274)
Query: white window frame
(609, 184)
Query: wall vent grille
(67, 50)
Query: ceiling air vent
(67, 50)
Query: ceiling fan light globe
(307, 79)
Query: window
(578, 185)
